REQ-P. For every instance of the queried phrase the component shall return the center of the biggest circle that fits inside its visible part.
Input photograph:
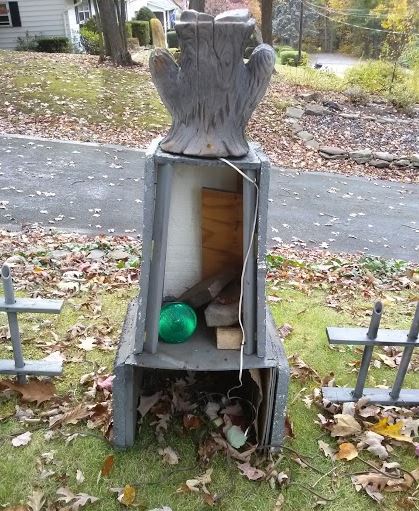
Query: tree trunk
(103, 48)
(267, 21)
(212, 95)
(197, 5)
(112, 13)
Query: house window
(4, 15)
(9, 14)
(83, 11)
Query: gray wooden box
(171, 264)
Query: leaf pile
(59, 265)
(343, 276)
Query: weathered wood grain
(213, 93)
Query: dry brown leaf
(21, 440)
(373, 441)
(16, 508)
(107, 465)
(328, 451)
(346, 425)
(74, 501)
(347, 451)
(191, 421)
(34, 391)
(252, 473)
(372, 483)
(169, 456)
(72, 416)
(36, 500)
(280, 501)
(390, 430)
(127, 497)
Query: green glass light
(177, 322)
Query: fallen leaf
(76, 501)
(285, 330)
(34, 390)
(346, 425)
(191, 421)
(390, 430)
(169, 456)
(127, 496)
(147, 402)
(252, 473)
(107, 465)
(235, 437)
(372, 483)
(72, 416)
(80, 476)
(280, 501)
(328, 451)
(36, 500)
(374, 443)
(21, 440)
(347, 451)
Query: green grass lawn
(77, 89)
(156, 484)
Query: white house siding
(133, 6)
(40, 17)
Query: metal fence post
(9, 297)
(412, 337)
(367, 354)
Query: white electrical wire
(249, 249)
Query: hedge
(53, 45)
(128, 29)
(91, 41)
(144, 14)
(290, 58)
(172, 39)
(141, 30)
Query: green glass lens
(177, 322)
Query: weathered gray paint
(213, 93)
(12, 306)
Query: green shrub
(374, 75)
(144, 14)
(128, 29)
(279, 49)
(356, 95)
(53, 45)
(91, 24)
(403, 98)
(91, 41)
(27, 43)
(172, 39)
(290, 58)
(141, 30)
(312, 78)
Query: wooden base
(229, 338)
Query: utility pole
(300, 35)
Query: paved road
(94, 189)
(335, 62)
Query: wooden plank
(359, 336)
(222, 231)
(32, 305)
(229, 338)
(35, 367)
